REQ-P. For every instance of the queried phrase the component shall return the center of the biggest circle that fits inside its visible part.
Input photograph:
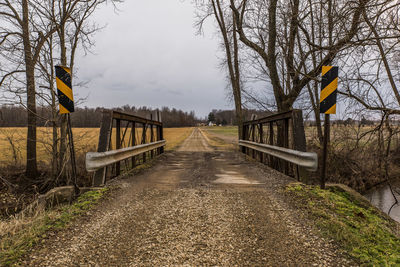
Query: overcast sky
(149, 55)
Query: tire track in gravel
(196, 207)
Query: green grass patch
(15, 245)
(225, 130)
(217, 142)
(362, 231)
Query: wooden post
(158, 138)
(253, 128)
(99, 176)
(271, 142)
(144, 140)
(261, 141)
(286, 143)
(161, 138)
(248, 129)
(151, 136)
(118, 145)
(72, 152)
(133, 136)
(327, 105)
(325, 151)
(244, 129)
(161, 134)
(299, 143)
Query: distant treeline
(228, 117)
(16, 116)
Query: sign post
(327, 105)
(66, 101)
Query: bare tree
(227, 29)
(20, 18)
(76, 29)
(29, 26)
(285, 45)
(372, 68)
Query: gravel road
(198, 206)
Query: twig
(7, 182)
(394, 196)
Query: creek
(382, 198)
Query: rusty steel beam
(129, 117)
(271, 118)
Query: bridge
(201, 204)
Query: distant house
(211, 124)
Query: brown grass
(13, 142)
(20, 233)
(175, 136)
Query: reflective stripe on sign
(329, 86)
(64, 89)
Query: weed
(16, 243)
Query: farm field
(224, 130)
(13, 142)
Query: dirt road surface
(198, 206)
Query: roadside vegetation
(16, 191)
(19, 234)
(362, 231)
(360, 156)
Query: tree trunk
(232, 58)
(31, 160)
(236, 86)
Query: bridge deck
(197, 206)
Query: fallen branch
(7, 183)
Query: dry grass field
(13, 142)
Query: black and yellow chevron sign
(329, 84)
(64, 89)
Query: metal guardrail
(98, 160)
(308, 160)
